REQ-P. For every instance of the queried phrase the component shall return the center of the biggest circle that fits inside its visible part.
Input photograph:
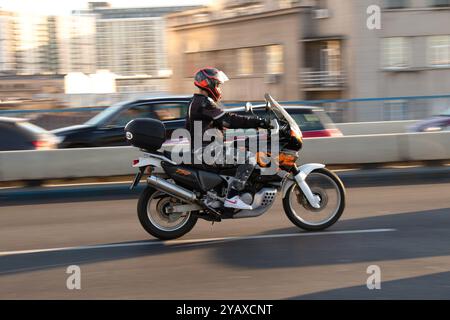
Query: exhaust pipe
(171, 189)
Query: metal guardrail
(115, 161)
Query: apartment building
(408, 56)
(315, 50)
(37, 44)
(125, 41)
(74, 37)
(6, 42)
(256, 43)
(32, 45)
(131, 41)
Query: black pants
(243, 172)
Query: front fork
(299, 175)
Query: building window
(396, 4)
(439, 51)
(440, 3)
(396, 52)
(330, 57)
(274, 55)
(245, 61)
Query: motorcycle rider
(205, 107)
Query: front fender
(304, 171)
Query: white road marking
(195, 241)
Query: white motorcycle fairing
(300, 178)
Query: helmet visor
(215, 74)
(222, 77)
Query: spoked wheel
(330, 190)
(154, 212)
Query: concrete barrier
(382, 127)
(103, 162)
(66, 163)
(430, 147)
(352, 149)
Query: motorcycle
(176, 196)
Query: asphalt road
(403, 229)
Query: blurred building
(127, 42)
(148, 84)
(30, 91)
(408, 56)
(6, 42)
(37, 44)
(74, 37)
(323, 49)
(131, 41)
(33, 51)
(256, 43)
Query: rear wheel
(155, 217)
(329, 188)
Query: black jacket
(204, 109)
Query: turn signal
(296, 135)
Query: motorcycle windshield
(283, 114)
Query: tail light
(43, 144)
(335, 132)
(135, 162)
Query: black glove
(265, 123)
(285, 129)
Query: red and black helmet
(210, 79)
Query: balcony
(323, 80)
(323, 64)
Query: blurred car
(107, 128)
(20, 134)
(436, 123)
(313, 121)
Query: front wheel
(155, 217)
(329, 188)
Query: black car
(20, 134)
(107, 128)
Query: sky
(66, 6)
